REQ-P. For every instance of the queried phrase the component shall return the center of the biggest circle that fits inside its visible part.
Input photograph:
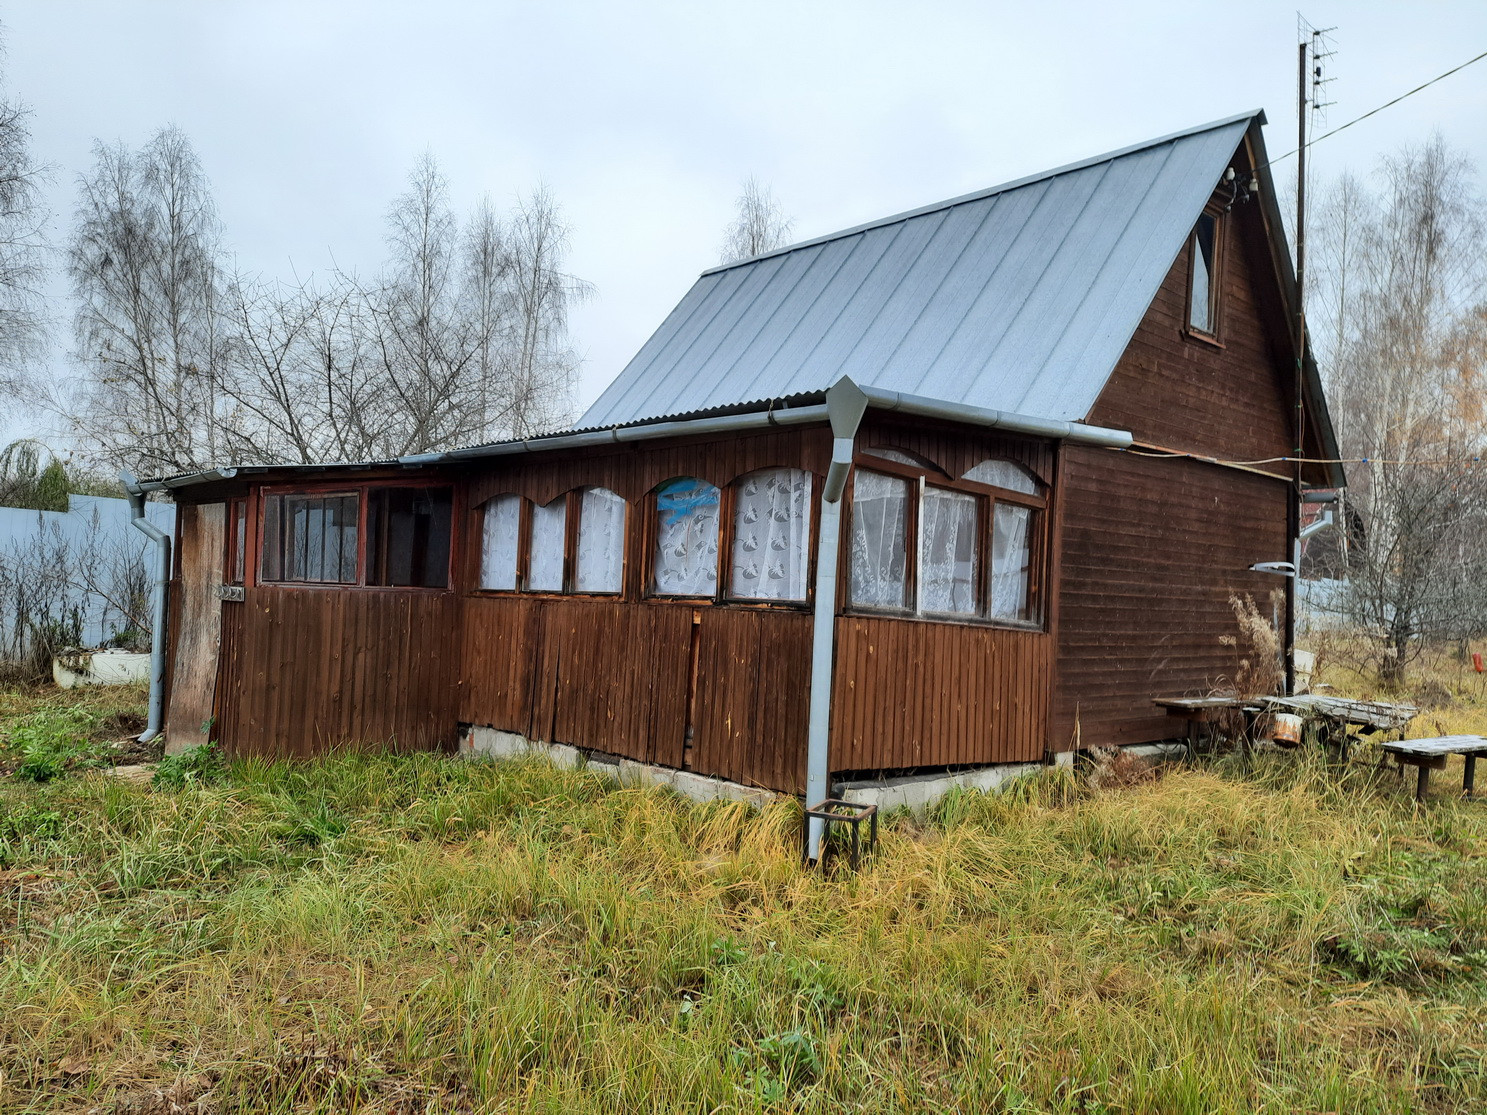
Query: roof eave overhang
(766, 416)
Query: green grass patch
(400, 934)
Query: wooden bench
(1426, 755)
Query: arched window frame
(572, 504)
(653, 539)
(733, 592)
(923, 476)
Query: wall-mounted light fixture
(1279, 568)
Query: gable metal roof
(1019, 298)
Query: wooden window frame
(361, 489)
(572, 522)
(989, 495)
(648, 553)
(238, 534)
(637, 576)
(726, 539)
(1216, 300)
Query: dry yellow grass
(414, 934)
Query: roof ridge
(976, 195)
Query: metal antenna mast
(1309, 86)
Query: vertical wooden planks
(196, 624)
(910, 693)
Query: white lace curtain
(1005, 474)
(880, 506)
(500, 539)
(601, 541)
(549, 531)
(1011, 556)
(687, 538)
(948, 526)
(772, 535)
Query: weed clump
(199, 765)
(51, 742)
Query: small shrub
(201, 765)
(51, 742)
(30, 822)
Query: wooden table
(1426, 755)
(1205, 710)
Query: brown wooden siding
(954, 449)
(616, 678)
(591, 673)
(753, 697)
(910, 693)
(1231, 400)
(1152, 549)
(634, 469)
(317, 668)
(194, 630)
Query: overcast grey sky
(645, 117)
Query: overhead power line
(1376, 111)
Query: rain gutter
(161, 602)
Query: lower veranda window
(1011, 563)
(549, 551)
(600, 561)
(880, 518)
(500, 543)
(771, 535)
(948, 529)
(686, 538)
(316, 538)
(408, 531)
(311, 539)
(961, 567)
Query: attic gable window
(1203, 284)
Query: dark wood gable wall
(1152, 548)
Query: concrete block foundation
(916, 792)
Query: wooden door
(196, 624)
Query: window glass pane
(948, 528)
(772, 535)
(1011, 552)
(1201, 303)
(500, 539)
(686, 538)
(313, 539)
(601, 542)
(549, 543)
(1005, 474)
(409, 530)
(342, 524)
(239, 540)
(271, 568)
(880, 513)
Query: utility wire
(1375, 111)
(1470, 462)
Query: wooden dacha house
(966, 486)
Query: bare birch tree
(1402, 333)
(144, 266)
(759, 224)
(22, 249)
(461, 337)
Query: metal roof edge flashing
(1076, 432)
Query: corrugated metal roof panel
(1018, 298)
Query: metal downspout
(845, 405)
(161, 603)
